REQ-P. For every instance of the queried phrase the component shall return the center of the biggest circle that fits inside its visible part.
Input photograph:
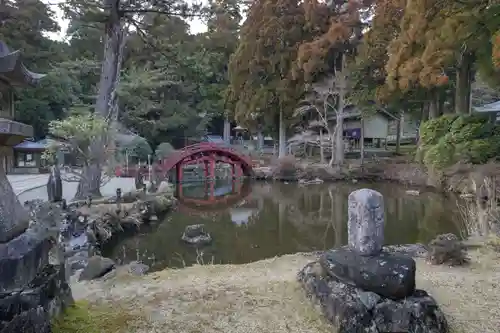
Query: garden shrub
(449, 139)
(164, 150)
(432, 130)
(440, 155)
(430, 133)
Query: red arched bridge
(207, 154)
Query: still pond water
(266, 220)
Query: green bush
(432, 130)
(163, 150)
(477, 151)
(439, 155)
(138, 149)
(447, 140)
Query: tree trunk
(463, 84)
(107, 99)
(227, 130)
(321, 148)
(90, 183)
(433, 106)
(260, 140)
(282, 136)
(424, 112)
(398, 132)
(441, 107)
(341, 83)
(362, 142)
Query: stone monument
(54, 184)
(31, 289)
(365, 288)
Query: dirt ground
(264, 297)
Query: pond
(253, 221)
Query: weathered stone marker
(54, 185)
(364, 288)
(118, 195)
(366, 222)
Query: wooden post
(362, 141)
(212, 167)
(178, 169)
(398, 133)
(205, 169)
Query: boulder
(22, 258)
(351, 309)
(389, 275)
(29, 309)
(447, 249)
(97, 267)
(77, 261)
(196, 235)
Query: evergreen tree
(260, 71)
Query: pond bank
(459, 178)
(265, 296)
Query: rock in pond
(195, 235)
(97, 267)
(387, 274)
(351, 309)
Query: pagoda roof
(13, 70)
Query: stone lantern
(31, 288)
(13, 217)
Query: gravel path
(35, 188)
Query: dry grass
(468, 295)
(265, 297)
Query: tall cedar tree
(260, 70)
(369, 72)
(338, 27)
(455, 37)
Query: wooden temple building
(13, 73)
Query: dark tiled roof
(13, 70)
(31, 145)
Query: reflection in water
(249, 222)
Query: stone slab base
(30, 309)
(22, 258)
(353, 310)
(387, 274)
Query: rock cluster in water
(83, 226)
(364, 287)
